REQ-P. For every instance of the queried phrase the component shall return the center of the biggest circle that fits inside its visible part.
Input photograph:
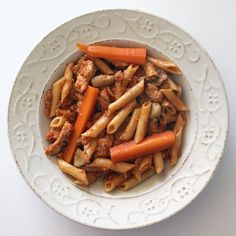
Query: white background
(24, 23)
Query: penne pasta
(66, 89)
(171, 84)
(178, 91)
(142, 122)
(175, 150)
(132, 181)
(137, 173)
(98, 126)
(175, 100)
(168, 107)
(129, 73)
(158, 162)
(111, 182)
(106, 164)
(119, 64)
(57, 122)
(126, 97)
(145, 163)
(120, 117)
(131, 127)
(102, 163)
(56, 95)
(181, 120)
(155, 110)
(89, 150)
(150, 70)
(91, 177)
(103, 67)
(102, 80)
(122, 167)
(165, 65)
(69, 169)
(79, 159)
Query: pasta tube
(98, 126)
(56, 95)
(57, 122)
(175, 150)
(175, 100)
(102, 80)
(69, 169)
(132, 181)
(90, 149)
(66, 89)
(111, 182)
(127, 97)
(106, 164)
(120, 117)
(165, 65)
(150, 70)
(103, 67)
(158, 162)
(143, 122)
(132, 125)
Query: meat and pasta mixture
(116, 115)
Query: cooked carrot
(130, 55)
(151, 144)
(85, 112)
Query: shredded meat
(47, 102)
(70, 114)
(103, 145)
(153, 93)
(104, 99)
(61, 141)
(52, 135)
(85, 71)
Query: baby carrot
(130, 55)
(85, 112)
(150, 145)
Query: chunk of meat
(47, 102)
(52, 135)
(69, 114)
(153, 93)
(103, 145)
(61, 141)
(85, 73)
(104, 99)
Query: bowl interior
(189, 133)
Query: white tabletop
(24, 23)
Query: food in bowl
(116, 114)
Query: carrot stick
(152, 144)
(130, 55)
(85, 112)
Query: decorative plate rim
(219, 156)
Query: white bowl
(160, 196)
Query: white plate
(160, 196)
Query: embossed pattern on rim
(180, 190)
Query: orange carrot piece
(151, 144)
(85, 112)
(130, 55)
